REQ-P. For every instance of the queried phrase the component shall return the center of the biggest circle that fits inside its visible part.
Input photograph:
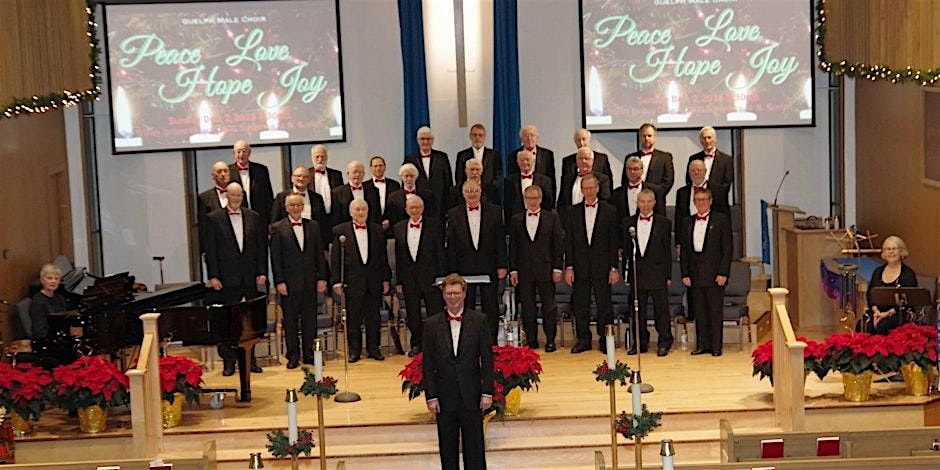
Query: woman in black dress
(880, 319)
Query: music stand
(902, 297)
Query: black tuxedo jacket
(544, 164)
(317, 211)
(334, 177)
(461, 256)
(390, 187)
(564, 192)
(395, 204)
(535, 259)
(206, 202)
(619, 198)
(440, 180)
(343, 196)
(489, 193)
(654, 267)
(715, 258)
(431, 261)
(600, 256)
(492, 167)
(659, 177)
(683, 199)
(569, 166)
(360, 278)
(236, 269)
(720, 179)
(513, 200)
(299, 269)
(461, 379)
(261, 196)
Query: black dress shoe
(353, 358)
(662, 351)
(631, 352)
(377, 356)
(293, 364)
(309, 361)
(228, 369)
(701, 351)
(414, 352)
(550, 347)
(533, 345)
(256, 369)
(580, 348)
(716, 353)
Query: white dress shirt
(298, 231)
(646, 158)
(698, 233)
(246, 181)
(709, 159)
(306, 213)
(473, 222)
(222, 193)
(576, 195)
(362, 240)
(380, 185)
(525, 182)
(643, 230)
(238, 226)
(321, 184)
(532, 222)
(357, 193)
(631, 198)
(455, 329)
(426, 163)
(414, 237)
(590, 215)
(478, 153)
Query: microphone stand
(644, 387)
(345, 396)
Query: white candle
(205, 117)
(637, 395)
(611, 352)
(123, 117)
(672, 98)
(667, 463)
(292, 422)
(271, 110)
(740, 94)
(318, 364)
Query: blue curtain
(415, 76)
(506, 120)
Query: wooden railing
(146, 420)
(204, 461)
(789, 408)
(918, 462)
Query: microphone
(632, 231)
(342, 239)
(780, 186)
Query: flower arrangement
(516, 367)
(913, 343)
(23, 389)
(280, 447)
(859, 352)
(180, 374)
(325, 387)
(620, 373)
(645, 423)
(412, 376)
(89, 381)
(813, 359)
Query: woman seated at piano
(880, 319)
(45, 301)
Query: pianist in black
(236, 260)
(45, 301)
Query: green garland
(862, 70)
(325, 388)
(65, 98)
(279, 446)
(620, 373)
(645, 423)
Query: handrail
(146, 420)
(788, 373)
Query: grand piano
(104, 319)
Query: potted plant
(412, 376)
(517, 369)
(915, 347)
(180, 378)
(857, 356)
(89, 386)
(22, 392)
(763, 355)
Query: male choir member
(363, 262)
(300, 275)
(313, 203)
(211, 200)
(591, 236)
(719, 169)
(323, 179)
(458, 377)
(685, 204)
(476, 245)
(474, 172)
(355, 190)
(544, 158)
(419, 260)
(569, 165)
(536, 247)
(705, 263)
(383, 185)
(570, 192)
(653, 246)
(433, 168)
(236, 259)
(513, 200)
(254, 180)
(489, 158)
(658, 172)
(632, 185)
(395, 204)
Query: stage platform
(560, 425)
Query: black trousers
(457, 422)
(300, 309)
(489, 303)
(363, 307)
(232, 295)
(414, 293)
(526, 290)
(661, 318)
(584, 284)
(709, 302)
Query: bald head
(235, 195)
(220, 174)
(242, 152)
(359, 211)
(414, 206)
(585, 160)
(526, 161)
(582, 138)
(355, 172)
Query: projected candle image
(124, 121)
(272, 112)
(808, 96)
(596, 100)
(337, 107)
(205, 135)
(740, 112)
(672, 114)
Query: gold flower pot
(93, 419)
(857, 386)
(915, 379)
(486, 421)
(21, 427)
(172, 413)
(513, 402)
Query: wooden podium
(797, 257)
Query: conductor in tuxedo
(544, 158)
(355, 190)
(570, 192)
(653, 245)
(323, 178)
(364, 264)
(569, 165)
(419, 260)
(513, 200)
(719, 169)
(212, 199)
(254, 180)
(236, 260)
(536, 249)
(458, 377)
(705, 263)
(658, 170)
(395, 204)
(384, 187)
(300, 275)
(489, 158)
(433, 168)
(591, 243)
(313, 203)
(476, 245)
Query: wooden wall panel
(43, 47)
(893, 33)
(892, 196)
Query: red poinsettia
(858, 352)
(180, 374)
(23, 389)
(915, 343)
(516, 367)
(762, 359)
(413, 377)
(89, 381)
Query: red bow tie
(698, 189)
(242, 168)
(221, 190)
(635, 186)
(355, 188)
(322, 172)
(701, 217)
(296, 224)
(473, 208)
(534, 214)
(647, 218)
(709, 156)
(378, 180)
(234, 213)
(584, 173)
(645, 153)
(359, 227)
(417, 225)
(409, 191)
(455, 317)
(527, 177)
(590, 205)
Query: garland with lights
(861, 70)
(66, 98)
